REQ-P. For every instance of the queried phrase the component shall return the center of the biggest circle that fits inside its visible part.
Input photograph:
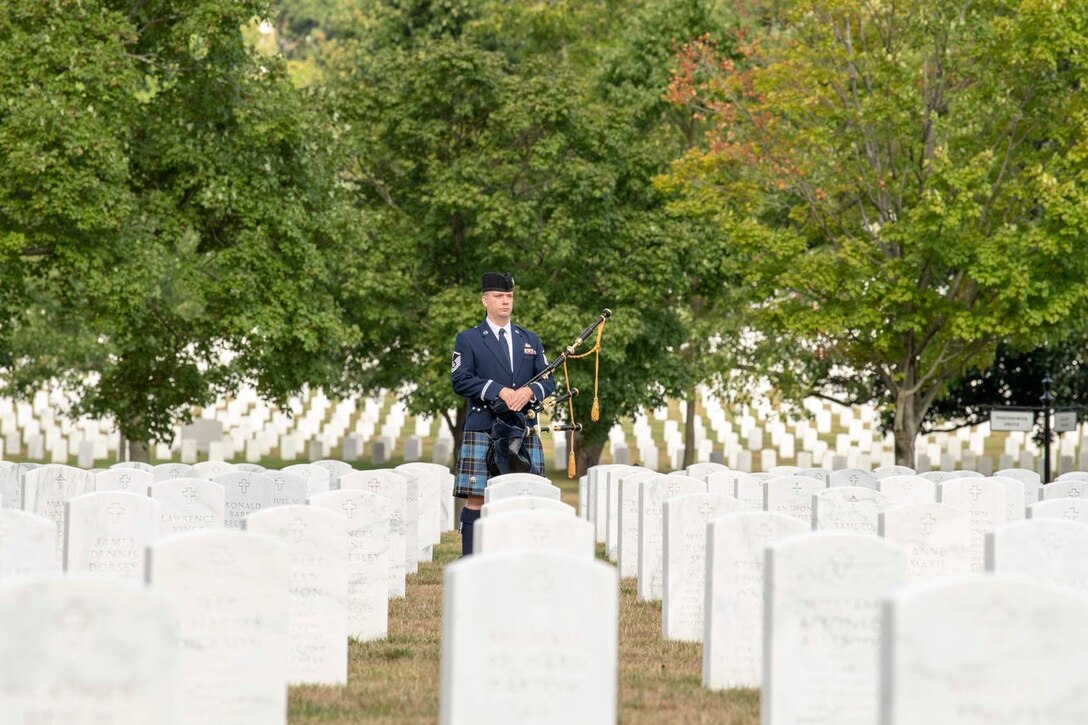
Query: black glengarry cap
(497, 282)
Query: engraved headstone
(525, 503)
(851, 477)
(211, 469)
(246, 493)
(902, 490)
(45, 490)
(702, 471)
(847, 508)
(288, 489)
(725, 482)
(11, 483)
(936, 536)
(124, 479)
(138, 465)
(627, 527)
(791, 495)
(107, 532)
(733, 630)
(533, 662)
(336, 469)
(1070, 509)
(683, 591)
(316, 477)
(519, 484)
(886, 471)
(86, 650)
(1054, 551)
(430, 509)
(985, 501)
(369, 517)
(652, 494)
(317, 543)
(1069, 488)
(749, 489)
(822, 627)
(165, 471)
(1015, 510)
(28, 545)
(393, 487)
(985, 649)
(230, 588)
(190, 504)
(535, 530)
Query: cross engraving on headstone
(297, 529)
(74, 622)
(115, 510)
(1051, 545)
(705, 509)
(539, 534)
(927, 522)
(220, 560)
(1074, 492)
(674, 487)
(189, 493)
(243, 486)
(174, 472)
(125, 481)
(908, 486)
(349, 507)
(1071, 513)
(840, 561)
(279, 483)
(764, 531)
(975, 492)
(797, 488)
(375, 484)
(853, 479)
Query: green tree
(903, 185)
(169, 211)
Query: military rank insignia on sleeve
(456, 361)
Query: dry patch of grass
(397, 679)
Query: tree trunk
(139, 451)
(905, 428)
(689, 429)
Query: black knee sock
(468, 518)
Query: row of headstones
(713, 547)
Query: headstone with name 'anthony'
(124, 479)
(189, 504)
(230, 588)
(733, 630)
(822, 627)
(683, 591)
(937, 538)
(87, 650)
(369, 517)
(391, 486)
(107, 532)
(317, 543)
(993, 649)
(534, 661)
(791, 495)
(27, 545)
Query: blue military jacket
(481, 368)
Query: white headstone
(822, 620)
(1070, 509)
(165, 471)
(887, 471)
(851, 477)
(535, 530)
(683, 592)
(1069, 488)
(317, 478)
(651, 500)
(534, 662)
(985, 501)
(501, 487)
(45, 491)
(902, 490)
(749, 489)
(87, 650)
(124, 479)
(190, 504)
(369, 518)
(627, 531)
(937, 538)
(28, 545)
(11, 483)
(996, 650)
(230, 588)
(393, 487)
(336, 469)
(246, 493)
(847, 508)
(317, 542)
(1048, 550)
(791, 495)
(107, 532)
(288, 489)
(733, 631)
(525, 503)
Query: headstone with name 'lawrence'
(190, 504)
(391, 486)
(937, 538)
(46, 489)
(535, 661)
(87, 650)
(1053, 551)
(317, 542)
(230, 588)
(985, 502)
(822, 627)
(683, 593)
(124, 479)
(27, 545)
(992, 649)
(246, 493)
(107, 532)
(733, 630)
(369, 517)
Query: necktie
(506, 349)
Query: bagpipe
(507, 452)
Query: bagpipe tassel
(572, 466)
(595, 411)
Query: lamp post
(1047, 398)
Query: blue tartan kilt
(472, 462)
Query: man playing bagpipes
(492, 363)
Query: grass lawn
(397, 679)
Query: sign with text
(1009, 420)
(1065, 421)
